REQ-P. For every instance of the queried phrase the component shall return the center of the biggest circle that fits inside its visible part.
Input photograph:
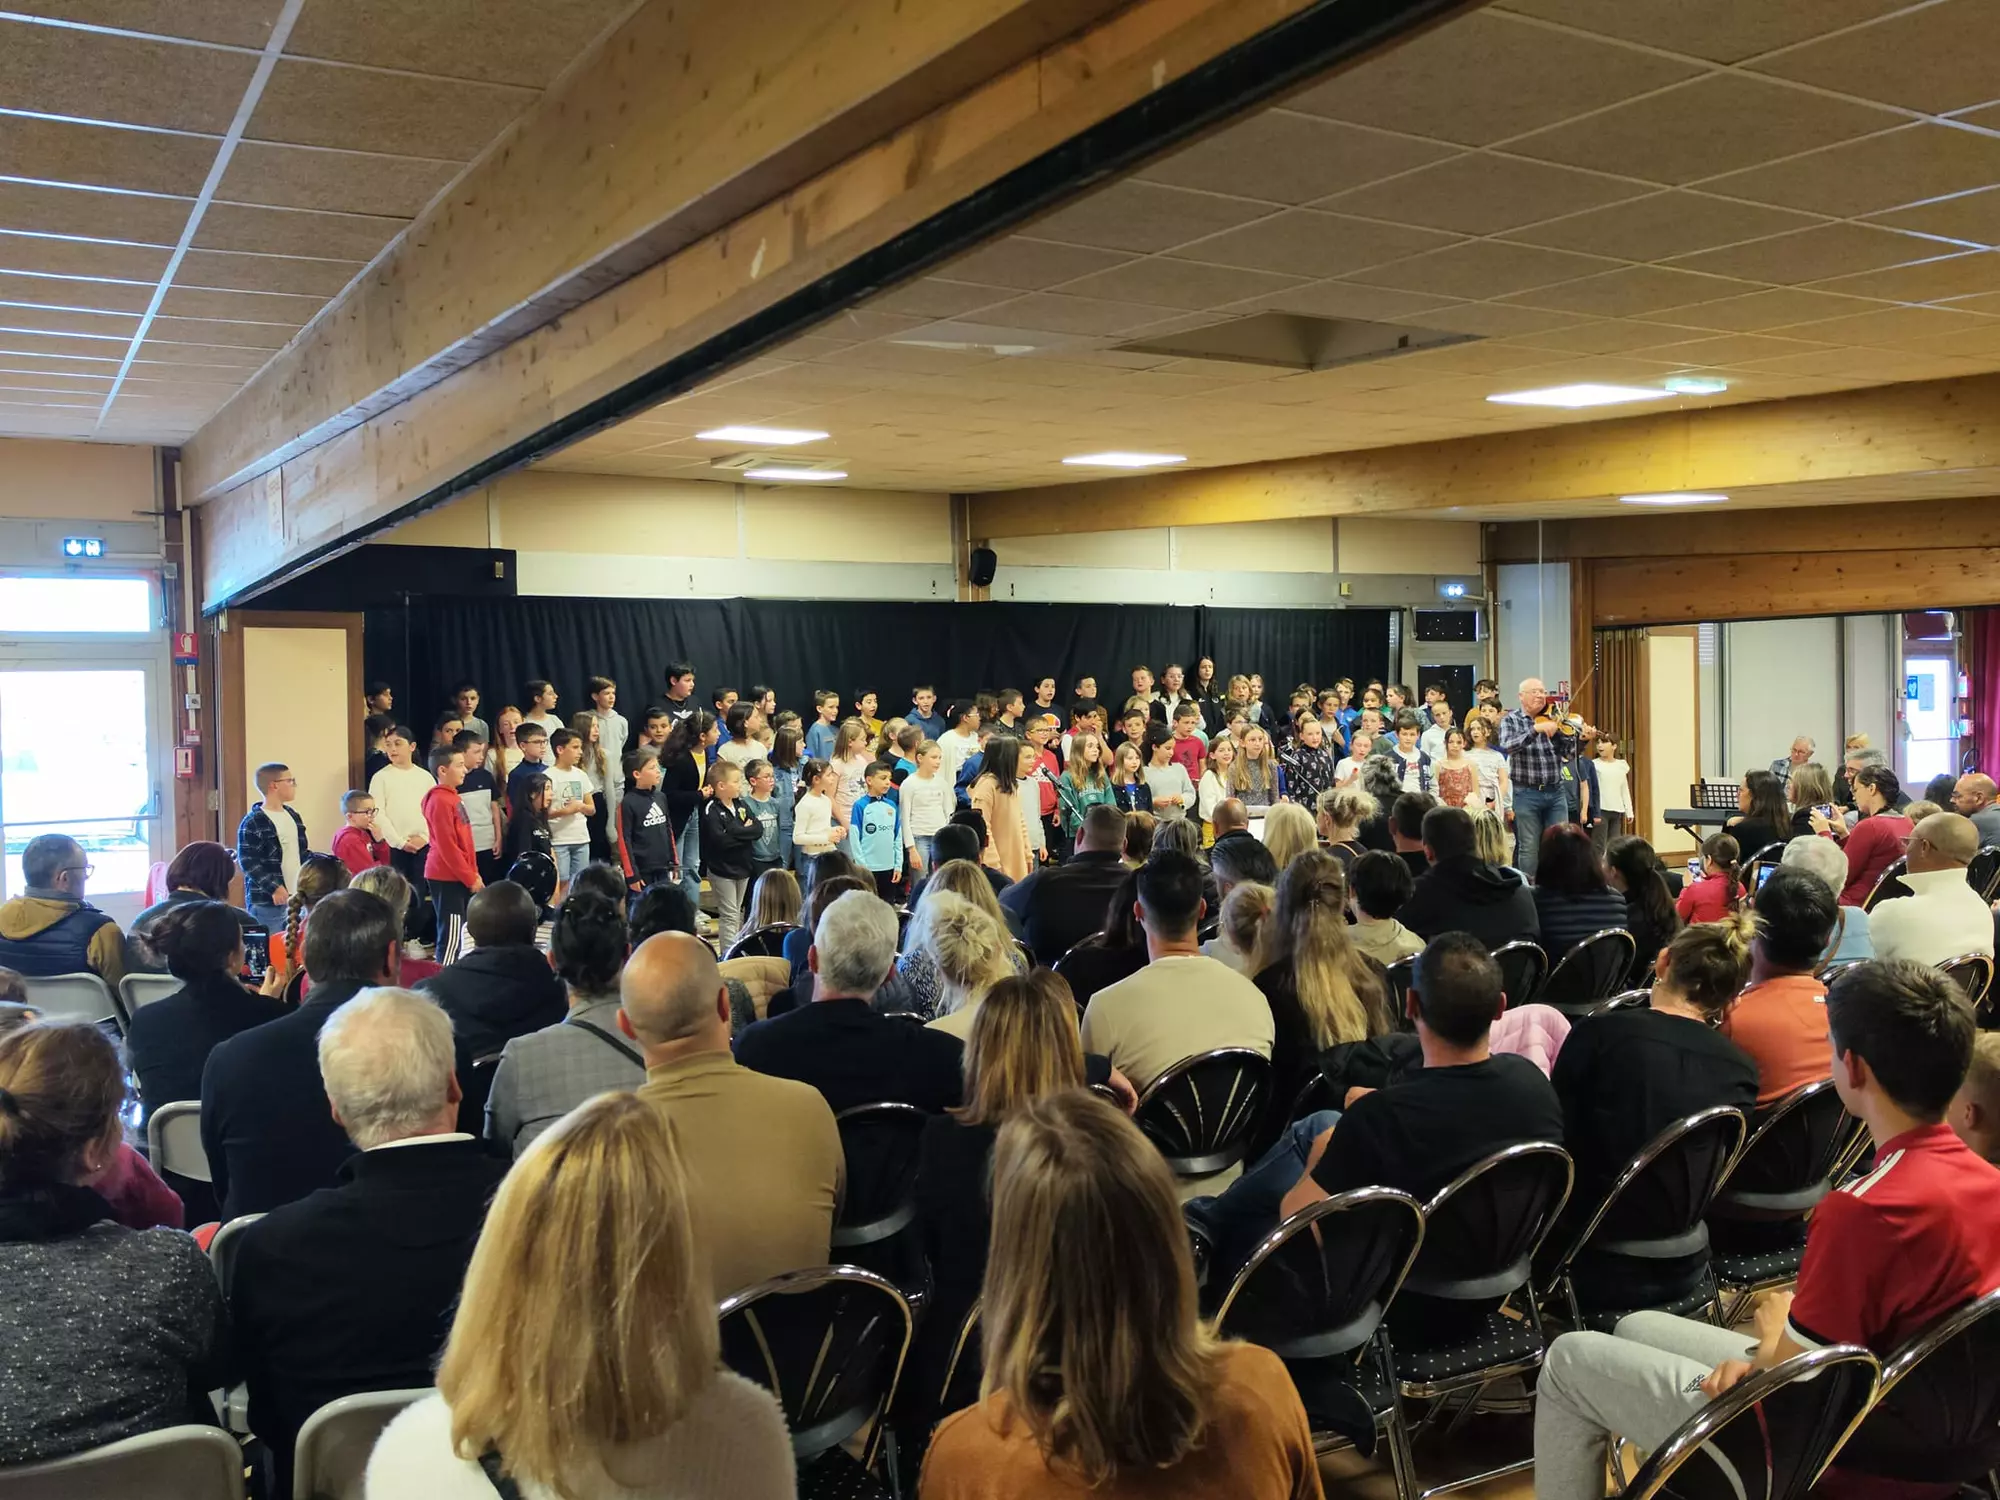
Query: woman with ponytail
(167, 1042)
(320, 875)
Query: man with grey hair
(351, 1288)
(1802, 753)
(1943, 917)
(763, 1155)
(839, 1044)
(1823, 860)
(1973, 798)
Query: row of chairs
(86, 997)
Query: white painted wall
(1780, 680)
(1874, 680)
(1531, 625)
(295, 709)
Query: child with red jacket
(451, 864)
(357, 846)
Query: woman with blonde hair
(1244, 913)
(970, 952)
(1342, 811)
(774, 900)
(1254, 780)
(584, 1357)
(384, 882)
(1289, 831)
(1100, 1377)
(919, 980)
(1808, 788)
(1490, 839)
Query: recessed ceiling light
(777, 437)
(816, 476)
(1579, 395)
(1125, 460)
(1696, 385)
(1679, 497)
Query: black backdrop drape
(425, 646)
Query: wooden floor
(1484, 1442)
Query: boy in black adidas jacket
(645, 832)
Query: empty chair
(330, 1459)
(881, 1143)
(1202, 1111)
(1936, 1416)
(82, 997)
(762, 942)
(1593, 970)
(1983, 873)
(1522, 965)
(173, 1140)
(1789, 1163)
(1315, 1293)
(175, 1463)
(1971, 972)
(135, 990)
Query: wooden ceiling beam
(1926, 430)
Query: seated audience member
(111, 1332)
(964, 837)
(1115, 952)
(1874, 843)
(1186, 839)
(1289, 830)
(1491, 840)
(1974, 1115)
(1573, 900)
(351, 1287)
(583, 1358)
(504, 987)
(1058, 906)
(1381, 884)
(1238, 858)
(1822, 859)
(320, 875)
(839, 1043)
(1090, 1274)
(1462, 892)
(969, 951)
(1763, 817)
(266, 1127)
(827, 885)
(392, 887)
(1139, 828)
(544, 1075)
(774, 900)
(1972, 797)
(1780, 1020)
(1943, 917)
(202, 871)
(1406, 829)
(1917, 811)
(1901, 1036)
(1241, 926)
(168, 1041)
(1229, 816)
(1808, 791)
(49, 928)
(1342, 812)
(1634, 871)
(918, 986)
(1719, 891)
(762, 1154)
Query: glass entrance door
(1929, 701)
(76, 757)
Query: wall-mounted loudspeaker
(980, 568)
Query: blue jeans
(1535, 809)
(690, 842)
(1247, 1209)
(570, 858)
(923, 841)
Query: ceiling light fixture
(1574, 396)
(777, 437)
(816, 476)
(1696, 385)
(1124, 460)
(1683, 497)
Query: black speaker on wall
(980, 568)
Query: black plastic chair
(1652, 1213)
(1768, 1437)
(875, 1226)
(1523, 966)
(1400, 973)
(1888, 885)
(1623, 1000)
(1786, 1167)
(1315, 1292)
(1971, 972)
(1983, 873)
(829, 1343)
(1202, 1112)
(762, 942)
(1315, 1096)
(1593, 970)
(962, 1375)
(1936, 1415)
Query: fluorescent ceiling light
(1696, 385)
(1579, 395)
(1124, 460)
(777, 437)
(817, 476)
(1679, 497)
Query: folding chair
(1936, 1415)
(330, 1457)
(874, 1228)
(173, 1141)
(175, 1463)
(1789, 1163)
(1202, 1111)
(1971, 972)
(762, 942)
(1888, 885)
(1593, 970)
(78, 997)
(135, 990)
(1523, 965)
(1983, 873)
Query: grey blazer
(544, 1075)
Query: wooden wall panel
(1770, 585)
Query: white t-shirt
(568, 786)
(958, 748)
(288, 844)
(928, 803)
(1614, 786)
(399, 803)
(548, 721)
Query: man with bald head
(1973, 798)
(764, 1163)
(1944, 916)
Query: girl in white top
(398, 789)
(1613, 804)
(1495, 788)
(1350, 766)
(928, 803)
(960, 742)
(583, 1360)
(1167, 778)
(814, 827)
(1214, 787)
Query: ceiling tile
(1054, 312)
(333, 181)
(32, 252)
(69, 384)
(39, 209)
(1179, 283)
(130, 80)
(1974, 217)
(105, 365)
(523, 42)
(1813, 254)
(249, 307)
(1142, 216)
(1721, 123)
(1479, 193)
(192, 355)
(1724, 31)
(1875, 173)
(1753, 312)
(1484, 268)
(65, 347)
(1733, 349)
(24, 318)
(1629, 291)
(283, 231)
(104, 156)
(1306, 242)
(1604, 336)
(1663, 225)
(1282, 157)
(1491, 320)
(396, 114)
(57, 291)
(1934, 58)
(217, 332)
(233, 23)
(1890, 326)
(1926, 281)
(226, 271)
(934, 297)
(1487, 77)
(1346, 299)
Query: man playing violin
(1541, 752)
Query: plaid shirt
(1532, 759)
(261, 856)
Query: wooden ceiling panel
(123, 79)
(520, 42)
(231, 23)
(229, 271)
(24, 317)
(251, 307)
(36, 208)
(332, 181)
(67, 257)
(102, 156)
(257, 230)
(393, 114)
(216, 331)
(54, 346)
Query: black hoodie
(496, 994)
(1465, 894)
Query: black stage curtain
(795, 646)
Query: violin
(1568, 726)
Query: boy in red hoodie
(357, 845)
(451, 864)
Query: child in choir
(760, 796)
(851, 761)
(646, 848)
(1611, 806)
(815, 830)
(875, 833)
(819, 738)
(729, 831)
(357, 845)
(1190, 750)
(1128, 786)
(1455, 776)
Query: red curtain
(1983, 629)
